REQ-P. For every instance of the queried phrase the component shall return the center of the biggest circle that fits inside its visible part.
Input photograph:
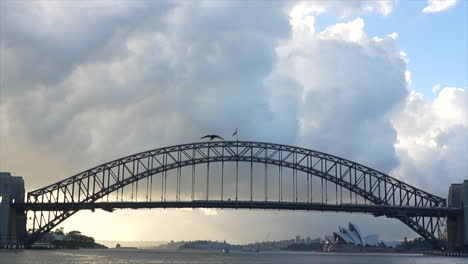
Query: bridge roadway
(376, 210)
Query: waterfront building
(352, 240)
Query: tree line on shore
(71, 240)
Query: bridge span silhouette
(237, 175)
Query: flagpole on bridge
(235, 134)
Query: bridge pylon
(457, 226)
(12, 220)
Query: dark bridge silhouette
(238, 174)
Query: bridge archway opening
(159, 223)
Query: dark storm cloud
(48, 39)
(173, 73)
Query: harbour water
(112, 256)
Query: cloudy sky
(378, 82)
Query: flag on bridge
(235, 133)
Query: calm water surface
(208, 257)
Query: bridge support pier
(457, 226)
(12, 221)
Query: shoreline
(129, 249)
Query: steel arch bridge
(291, 178)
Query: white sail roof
(355, 230)
(355, 236)
(351, 236)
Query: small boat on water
(118, 246)
(226, 250)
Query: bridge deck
(377, 210)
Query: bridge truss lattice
(290, 178)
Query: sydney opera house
(352, 240)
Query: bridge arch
(376, 187)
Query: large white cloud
(345, 85)
(433, 139)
